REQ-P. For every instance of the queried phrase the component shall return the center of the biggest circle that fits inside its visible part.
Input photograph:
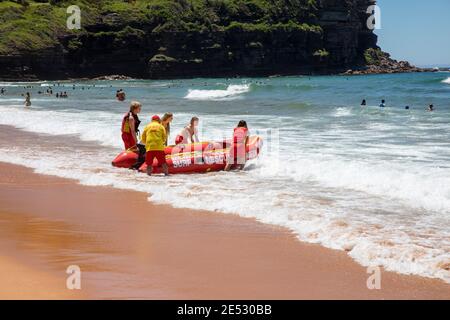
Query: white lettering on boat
(181, 162)
(214, 159)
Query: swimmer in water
(120, 95)
(27, 99)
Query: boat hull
(192, 158)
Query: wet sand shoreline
(129, 248)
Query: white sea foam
(12, 85)
(9, 100)
(447, 81)
(343, 112)
(89, 125)
(413, 186)
(232, 92)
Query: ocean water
(373, 182)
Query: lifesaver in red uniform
(127, 136)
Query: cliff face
(333, 40)
(346, 35)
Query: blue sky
(416, 30)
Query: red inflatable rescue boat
(192, 158)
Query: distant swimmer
(130, 125)
(2, 91)
(238, 147)
(407, 108)
(27, 99)
(363, 103)
(431, 107)
(120, 95)
(383, 104)
(189, 134)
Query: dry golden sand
(129, 248)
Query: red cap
(156, 118)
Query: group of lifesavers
(155, 138)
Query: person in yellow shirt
(154, 138)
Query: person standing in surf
(154, 136)
(130, 125)
(238, 147)
(165, 121)
(189, 134)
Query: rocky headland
(189, 38)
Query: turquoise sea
(372, 181)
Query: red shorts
(158, 154)
(128, 140)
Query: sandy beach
(129, 248)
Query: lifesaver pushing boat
(198, 157)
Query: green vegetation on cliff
(374, 56)
(33, 26)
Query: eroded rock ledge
(379, 62)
